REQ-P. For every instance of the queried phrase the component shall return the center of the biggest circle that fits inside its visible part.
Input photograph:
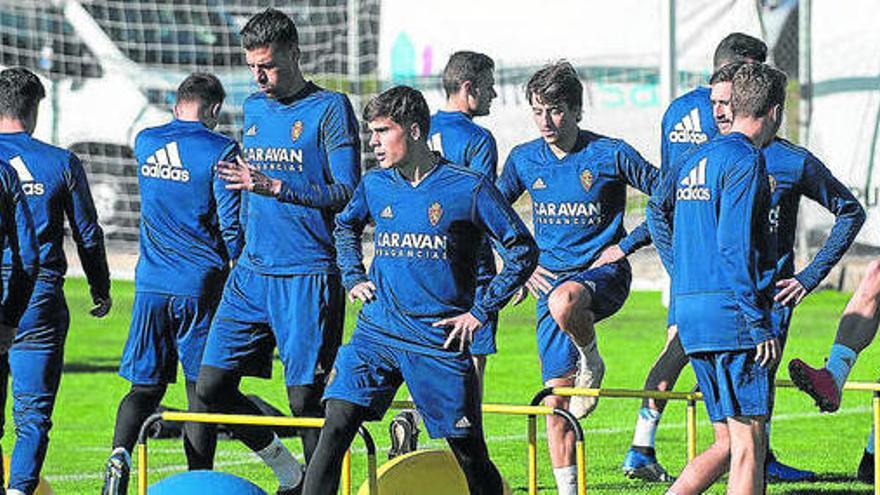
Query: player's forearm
(94, 263)
(659, 223)
(846, 227)
(520, 260)
(21, 286)
(638, 238)
(332, 196)
(349, 254)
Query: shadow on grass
(845, 479)
(97, 365)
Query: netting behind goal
(111, 68)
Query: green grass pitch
(629, 342)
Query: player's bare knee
(556, 401)
(869, 288)
(568, 300)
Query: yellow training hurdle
(532, 412)
(238, 419)
(691, 398)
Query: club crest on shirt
(773, 183)
(296, 130)
(434, 213)
(586, 179)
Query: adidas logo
(688, 130)
(252, 130)
(463, 423)
(165, 164)
(28, 184)
(695, 184)
(387, 212)
(539, 184)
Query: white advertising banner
(845, 120)
(617, 38)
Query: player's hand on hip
(520, 296)
(101, 306)
(791, 292)
(768, 353)
(540, 282)
(611, 254)
(463, 328)
(241, 175)
(7, 336)
(364, 292)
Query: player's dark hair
(739, 47)
(756, 89)
(270, 27)
(557, 83)
(20, 92)
(725, 73)
(203, 88)
(464, 66)
(402, 104)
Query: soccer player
(711, 223)
(856, 330)
(468, 80)
(301, 164)
(688, 122)
(577, 182)
(794, 172)
(420, 313)
(189, 233)
(55, 187)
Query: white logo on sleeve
(436, 143)
(694, 184)
(165, 164)
(29, 185)
(689, 130)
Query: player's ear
(215, 109)
(415, 132)
(468, 87)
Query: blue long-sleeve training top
(462, 142)
(794, 172)
(189, 221)
(19, 237)
(55, 186)
(687, 122)
(714, 205)
(578, 202)
(311, 144)
(424, 265)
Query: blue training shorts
(732, 383)
(302, 315)
(164, 329)
(445, 389)
(609, 288)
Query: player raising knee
(189, 232)
(420, 314)
(577, 183)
